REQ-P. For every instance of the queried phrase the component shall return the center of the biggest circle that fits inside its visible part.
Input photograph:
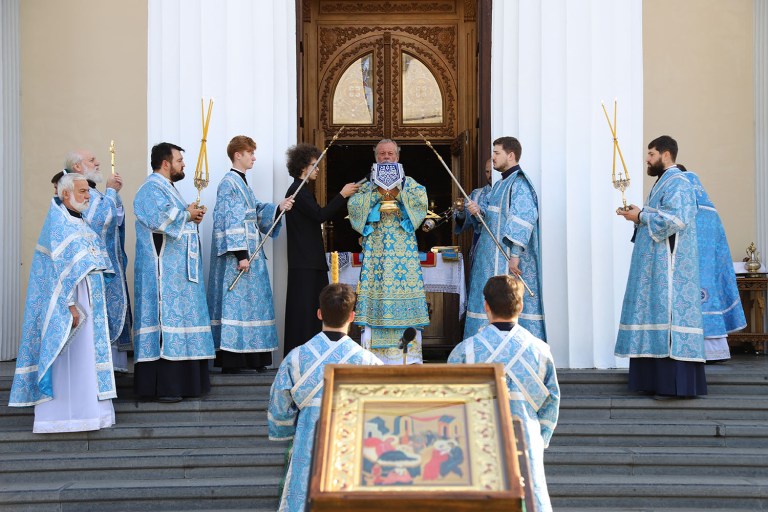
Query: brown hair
(337, 301)
(240, 144)
(504, 296)
(510, 145)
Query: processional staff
(282, 212)
(479, 216)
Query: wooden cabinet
(753, 292)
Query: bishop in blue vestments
(391, 293)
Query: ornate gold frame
(493, 459)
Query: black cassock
(307, 267)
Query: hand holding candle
(112, 154)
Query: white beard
(94, 175)
(79, 207)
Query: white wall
(242, 53)
(10, 180)
(553, 61)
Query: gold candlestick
(202, 158)
(112, 154)
(335, 267)
(622, 182)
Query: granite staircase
(612, 451)
(209, 454)
(616, 451)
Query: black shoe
(230, 371)
(664, 397)
(169, 399)
(261, 369)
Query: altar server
(106, 216)
(661, 327)
(243, 319)
(529, 368)
(173, 338)
(64, 365)
(511, 211)
(721, 308)
(296, 394)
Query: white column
(553, 61)
(761, 123)
(11, 303)
(242, 53)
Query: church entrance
(403, 70)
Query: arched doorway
(396, 69)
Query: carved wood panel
(386, 7)
(434, 46)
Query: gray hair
(386, 141)
(72, 159)
(67, 182)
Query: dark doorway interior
(348, 162)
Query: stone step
(142, 437)
(658, 491)
(608, 460)
(653, 432)
(143, 495)
(754, 407)
(189, 410)
(574, 382)
(198, 463)
(253, 385)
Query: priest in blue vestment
(534, 394)
(460, 221)
(106, 216)
(297, 391)
(64, 364)
(721, 309)
(243, 319)
(511, 211)
(661, 328)
(172, 336)
(386, 211)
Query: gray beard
(94, 175)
